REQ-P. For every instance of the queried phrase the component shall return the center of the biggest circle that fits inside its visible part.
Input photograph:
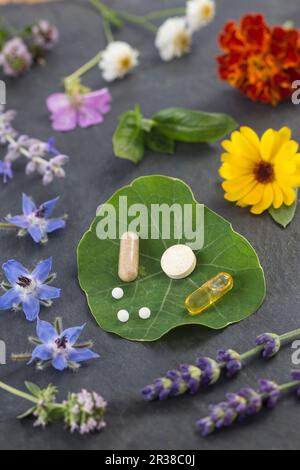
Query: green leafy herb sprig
(136, 133)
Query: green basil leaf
(285, 214)
(129, 138)
(160, 143)
(193, 126)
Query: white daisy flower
(199, 13)
(173, 38)
(118, 59)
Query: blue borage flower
(36, 220)
(28, 290)
(60, 347)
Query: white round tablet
(178, 261)
(117, 293)
(145, 313)
(123, 316)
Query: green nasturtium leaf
(285, 214)
(223, 250)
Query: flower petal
(42, 271)
(60, 363)
(278, 196)
(28, 205)
(18, 220)
(13, 270)
(64, 119)
(41, 352)
(72, 334)
(49, 206)
(31, 307)
(99, 100)
(57, 101)
(46, 292)
(36, 233)
(10, 298)
(45, 331)
(55, 224)
(88, 116)
(266, 201)
(81, 355)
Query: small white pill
(178, 261)
(145, 313)
(117, 293)
(123, 316)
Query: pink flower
(84, 110)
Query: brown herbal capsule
(129, 257)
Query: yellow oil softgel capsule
(209, 293)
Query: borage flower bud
(271, 343)
(232, 360)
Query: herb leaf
(157, 142)
(285, 214)
(128, 140)
(34, 389)
(193, 126)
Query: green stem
(5, 226)
(84, 68)
(18, 393)
(107, 31)
(139, 20)
(289, 386)
(165, 12)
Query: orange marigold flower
(260, 60)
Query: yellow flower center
(264, 172)
(183, 41)
(125, 63)
(207, 12)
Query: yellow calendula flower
(261, 172)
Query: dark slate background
(93, 175)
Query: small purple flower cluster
(238, 406)
(84, 412)
(42, 157)
(17, 56)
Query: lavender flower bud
(206, 426)
(211, 370)
(232, 360)
(84, 412)
(296, 376)
(192, 376)
(15, 57)
(45, 35)
(272, 392)
(271, 343)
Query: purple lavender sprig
(83, 412)
(247, 402)
(42, 157)
(206, 372)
